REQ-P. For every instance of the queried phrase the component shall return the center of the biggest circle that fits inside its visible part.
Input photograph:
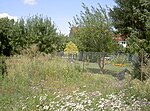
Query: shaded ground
(109, 68)
(106, 71)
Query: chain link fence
(108, 63)
(114, 62)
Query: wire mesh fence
(113, 63)
(92, 57)
(109, 63)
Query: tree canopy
(132, 18)
(6, 34)
(93, 30)
(71, 48)
(39, 30)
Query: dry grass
(42, 74)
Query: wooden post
(142, 65)
(83, 61)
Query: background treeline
(39, 30)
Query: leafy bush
(146, 69)
(31, 52)
(139, 89)
(121, 59)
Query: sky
(60, 11)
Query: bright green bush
(121, 59)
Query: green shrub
(121, 59)
(139, 89)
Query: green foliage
(43, 82)
(139, 89)
(71, 48)
(3, 67)
(146, 68)
(120, 59)
(131, 18)
(15, 36)
(63, 40)
(41, 31)
(6, 33)
(93, 30)
(31, 52)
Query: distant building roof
(120, 37)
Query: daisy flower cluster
(86, 101)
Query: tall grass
(32, 78)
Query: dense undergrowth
(52, 83)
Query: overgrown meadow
(50, 83)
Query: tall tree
(42, 32)
(93, 32)
(6, 48)
(15, 36)
(19, 40)
(132, 18)
(6, 33)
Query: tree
(42, 31)
(71, 49)
(6, 48)
(6, 33)
(132, 18)
(93, 32)
(15, 36)
(63, 40)
(19, 39)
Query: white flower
(102, 99)
(58, 96)
(42, 98)
(27, 98)
(68, 97)
(74, 91)
(23, 107)
(84, 86)
(79, 106)
(101, 106)
(46, 107)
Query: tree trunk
(138, 67)
(101, 62)
(3, 67)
